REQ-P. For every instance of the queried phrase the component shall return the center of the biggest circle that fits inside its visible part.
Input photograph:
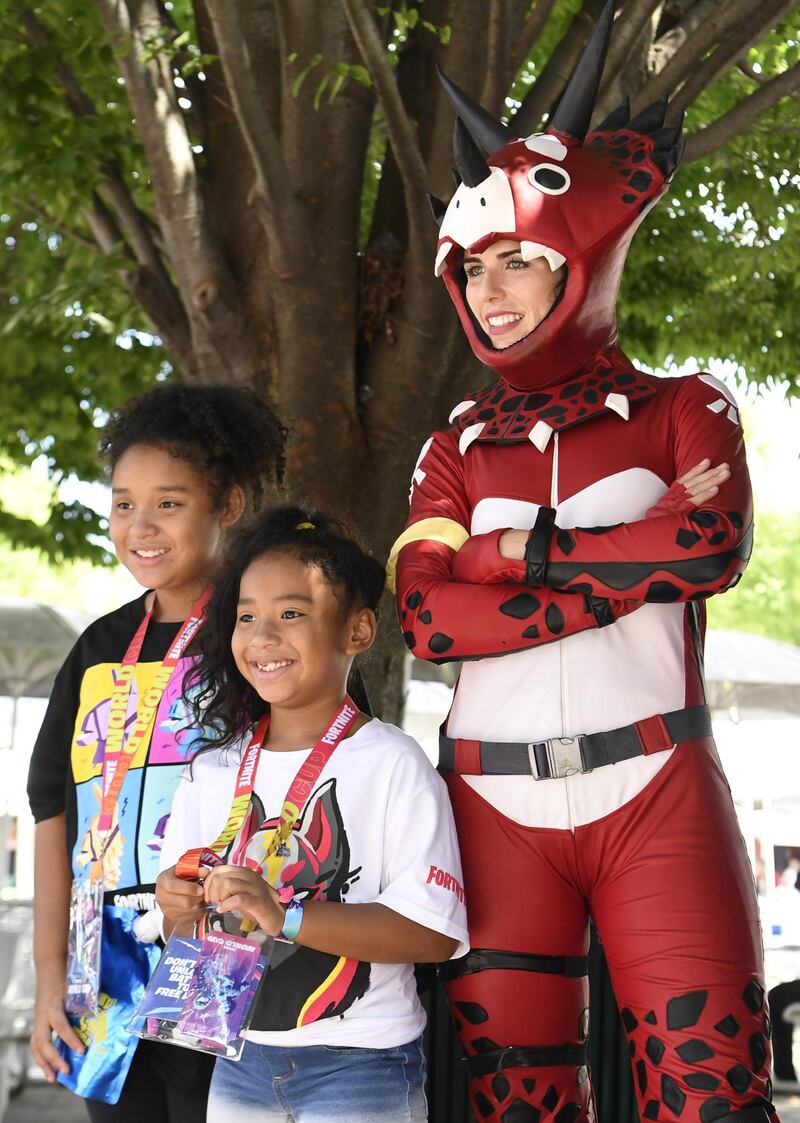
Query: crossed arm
(469, 597)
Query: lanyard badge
(203, 993)
(86, 903)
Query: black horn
(574, 112)
(470, 164)
(438, 208)
(488, 132)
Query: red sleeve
(443, 618)
(679, 555)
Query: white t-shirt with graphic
(377, 828)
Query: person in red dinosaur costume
(549, 549)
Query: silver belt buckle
(564, 756)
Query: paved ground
(39, 1103)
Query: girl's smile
(293, 642)
(164, 524)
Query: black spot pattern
(753, 996)
(531, 632)
(729, 1027)
(655, 1049)
(569, 1113)
(554, 619)
(484, 1106)
(687, 538)
(628, 198)
(703, 1081)
(735, 519)
(410, 640)
(651, 1109)
(485, 1045)
(640, 181)
(425, 617)
(641, 1076)
(650, 1018)
(662, 592)
(528, 1083)
(758, 1051)
(685, 1010)
(520, 1112)
(414, 600)
(703, 518)
(694, 1051)
(717, 538)
(672, 1096)
(550, 1098)
(500, 1086)
(473, 1012)
(739, 1078)
(629, 1020)
(715, 1108)
(520, 607)
(439, 643)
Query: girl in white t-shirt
(369, 851)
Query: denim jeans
(320, 1084)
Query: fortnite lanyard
(188, 867)
(119, 750)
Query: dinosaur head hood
(571, 196)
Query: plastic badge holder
(84, 945)
(203, 993)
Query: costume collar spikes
(574, 112)
(503, 415)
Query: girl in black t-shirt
(184, 461)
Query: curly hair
(224, 704)
(229, 434)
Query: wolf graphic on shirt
(302, 985)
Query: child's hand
(178, 899)
(236, 888)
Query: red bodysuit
(600, 630)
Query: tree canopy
(234, 192)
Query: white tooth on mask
(469, 435)
(531, 250)
(540, 435)
(462, 407)
(619, 404)
(441, 257)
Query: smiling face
(165, 526)
(292, 641)
(508, 296)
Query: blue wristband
(292, 920)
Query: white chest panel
(596, 680)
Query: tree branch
(495, 82)
(736, 120)
(282, 216)
(77, 100)
(530, 32)
(401, 131)
(627, 29)
(692, 48)
(549, 86)
(731, 46)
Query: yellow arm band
(451, 533)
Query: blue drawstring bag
(126, 965)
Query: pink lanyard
(188, 866)
(119, 750)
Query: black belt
(565, 756)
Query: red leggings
(667, 882)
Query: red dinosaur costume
(578, 750)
